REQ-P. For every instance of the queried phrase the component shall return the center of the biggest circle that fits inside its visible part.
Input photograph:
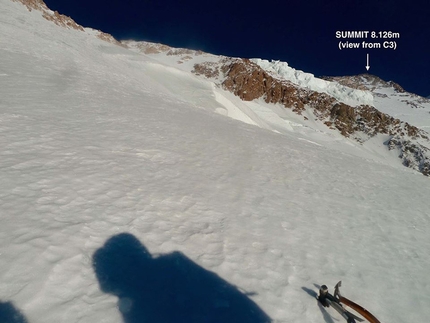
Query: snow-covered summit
(367, 82)
(391, 98)
(344, 94)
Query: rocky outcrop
(62, 20)
(183, 51)
(375, 85)
(146, 47)
(109, 38)
(396, 87)
(364, 82)
(156, 48)
(413, 154)
(208, 69)
(54, 16)
(249, 81)
(33, 4)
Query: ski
(358, 308)
(348, 316)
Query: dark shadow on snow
(168, 289)
(9, 314)
(314, 294)
(311, 292)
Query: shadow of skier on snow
(169, 288)
(9, 314)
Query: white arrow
(367, 66)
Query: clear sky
(302, 33)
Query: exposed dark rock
(413, 155)
(249, 81)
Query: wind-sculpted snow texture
(106, 149)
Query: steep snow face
(405, 106)
(344, 94)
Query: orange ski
(358, 308)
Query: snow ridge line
(63, 20)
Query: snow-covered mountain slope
(392, 99)
(127, 194)
(321, 105)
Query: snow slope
(390, 98)
(404, 106)
(396, 143)
(97, 141)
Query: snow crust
(111, 160)
(344, 94)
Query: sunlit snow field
(110, 161)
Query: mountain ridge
(63, 20)
(249, 82)
(351, 112)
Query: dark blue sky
(301, 33)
